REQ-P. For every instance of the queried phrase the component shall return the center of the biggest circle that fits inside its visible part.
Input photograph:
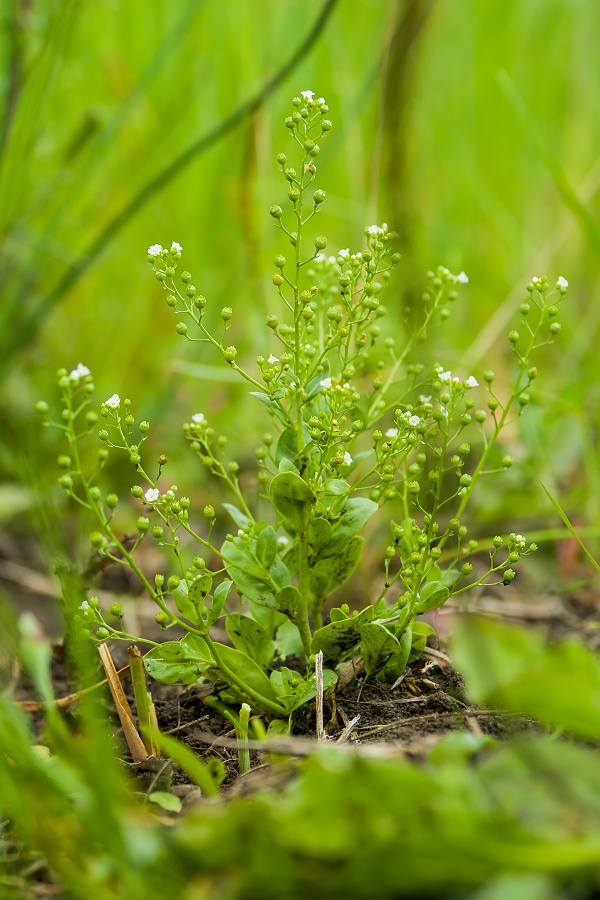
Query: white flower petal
(155, 250)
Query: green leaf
(337, 614)
(251, 638)
(293, 691)
(171, 664)
(356, 512)
(319, 533)
(243, 570)
(335, 487)
(196, 648)
(338, 639)
(559, 684)
(218, 601)
(288, 641)
(266, 546)
(199, 589)
(287, 445)
(183, 603)
(377, 646)
(420, 633)
(329, 574)
(201, 773)
(247, 670)
(240, 519)
(166, 801)
(286, 465)
(272, 404)
(288, 599)
(293, 498)
(395, 667)
(433, 595)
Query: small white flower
(344, 253)
(308, 95)
(331, 259)
(446, 377)
(424, 399)
(347, 459)
(347, 385)
(325, 383)
(471, 382)
(198, 418)
(391, 433)
(414, 421)
(176, 248)
(151, 495)
(80, 372)
(321, 101)
(85, 605)
(562, 283)
(462, 278)
(155, 250)
(114, 402)
(273, 359)
(283, 540)
(374, 230)
(320, 257)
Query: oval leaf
(432, 596)
(293, 498)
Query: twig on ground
(134, 741)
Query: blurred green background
(472, 128)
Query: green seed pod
(277, 280)
(294, 194)
(513, 336)
(209, 513)
(507, 461)
(191, 290)
(103, 633)
(509, 575)
(181, 328)
(318, 197)
(116, 611)
(161, 619)
(158, 532)
(226, 313)
(320, 242)
(144, 427)
(64, 462)
(137, 491)
(95, 493)
(160, 276)
(41, 408)
(199, 563)
(466, 568)
(143, 524)
(230, 354)
(173, 583)
(462, 531)
(480, 415)
(413, 487)
(233, 467)
(555, 327)
(497, 541)
(435, 553)
(112, 501)
(135, 458)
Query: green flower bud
(191, 290)
(319, 197)
(413, 487)
(454, 524)
(135, 458)
(507, 461)
(95, 493)
(552, 311)
(199, 563)
(466, 568)
(462, 531)
(102, 454)
(233, 467)
(513, 557)
(158, 532)
(143, 524)
(509, 575)
(103, 633)
(226, 313)
(320, 242)
(525, 309)
(112, 501)
(209, 512)
(116, 611)
(161, 619)
(464, 449)
(230, 354)
(435, 553)
(171, 301)
(294, 194)
(98, 540)
(465, 480)
(276, 212)
(144, 427)
(173, 583)
(181, 328)
(555, 327)
(277, 281)
(497, 541)
(524, 399)
(480, 415)
(41, 408)
(159, 580)
(64, 462)
(513, 336)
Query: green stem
(264, 702)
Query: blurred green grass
(472, 128)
